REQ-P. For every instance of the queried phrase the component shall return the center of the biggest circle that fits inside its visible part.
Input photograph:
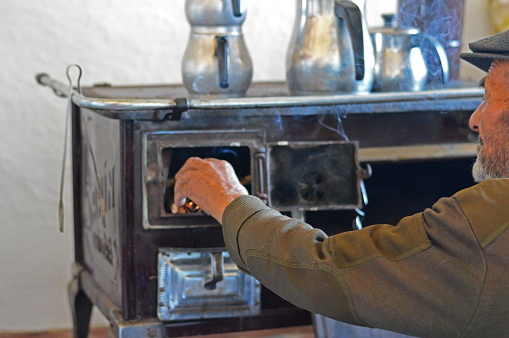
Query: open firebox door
(316, 176)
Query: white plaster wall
(116, 41)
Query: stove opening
(174, 158)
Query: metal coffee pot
(216, 61)
(399, 61)
(330, 50)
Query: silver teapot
(399, 61)
(216, 62)
(330, 50)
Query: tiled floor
(288, 332)
(94, 333)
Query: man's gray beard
(486, 168)
(480, 172)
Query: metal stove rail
(161, 109)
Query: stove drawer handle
(260, 188)
(217, 269)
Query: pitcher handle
(442, 56)
(223, 61)
(350, 13)
(236, 8)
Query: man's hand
(210, 183)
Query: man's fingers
(184, 184)
(191, 163)
(182, 187)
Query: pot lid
(391, 27)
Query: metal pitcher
(330, 50)
(399, 61)
(440, 19)
(216, 62)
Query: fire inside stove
(238, 157)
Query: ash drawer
(198, 283)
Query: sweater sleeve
(287, 256)
(372, 277)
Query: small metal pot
(399, 61)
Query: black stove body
(154, 270)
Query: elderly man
(442, 273)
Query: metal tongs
(66, 137)
(71, 93)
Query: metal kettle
(330, 50)
(399, 61)
(216, 62)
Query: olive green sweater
(440, 273)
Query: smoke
(337, 127)
(442, 19)
(310, 125)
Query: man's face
(491, 121)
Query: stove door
(315, 176)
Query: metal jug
(440, 19)
(330, 50)
(216, 62)
(399, 61)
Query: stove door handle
(260, 181)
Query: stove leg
(111, 334)
(81, 308)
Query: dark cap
(484, 51)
